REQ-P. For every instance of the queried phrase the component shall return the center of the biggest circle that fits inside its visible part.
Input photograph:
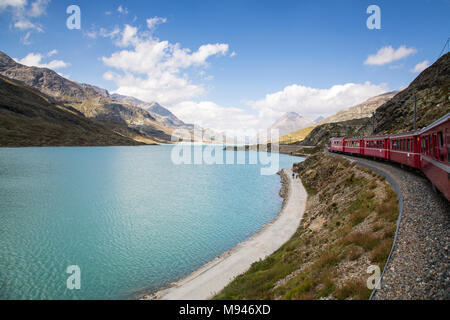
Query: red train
(427, 150)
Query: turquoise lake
(127, 216)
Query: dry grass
(358, 212)
(354, 289)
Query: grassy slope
(30, 118)
(349, 224)
(296, 136)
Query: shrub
(365, 240)
(381, 251)
(355, 289)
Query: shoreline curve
(211, 278)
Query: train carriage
(377, 147)
(435, 154)
(405, 149)
(337, 144)
(353, 145)
(427, 150)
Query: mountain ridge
(29, 118)
(93, 102)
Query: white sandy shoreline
(211, 278)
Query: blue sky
(249, 61)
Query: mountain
(289, 122)
(161, 114)
(431, 89)
(319, 119)
(363, 110)
(93, 102)
(29, 117)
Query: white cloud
(155, 70)
(25, 24)
(122, 10)
(38, 8)
(312, 102)
(308, 102)
(34, 60)
(420, 66)
(153, 22)
(12, 3)
(102, 32)
(208, 114)
(388, 54)
(128, 37)
(26, 38)
(24, 13)
(52, 53)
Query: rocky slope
(290, 122)
(30, 118)
(363, 110)
(95, 103)
(161, 114)
(320, 135)
(432, 90)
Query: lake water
(127, 216)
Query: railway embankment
(349, 225)
(419, 264)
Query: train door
(435, 147)
(441, 155)
(386, 148)
(447, 134)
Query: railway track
(419, 264)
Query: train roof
(379, 137)
(436, 123)
(406, 134)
